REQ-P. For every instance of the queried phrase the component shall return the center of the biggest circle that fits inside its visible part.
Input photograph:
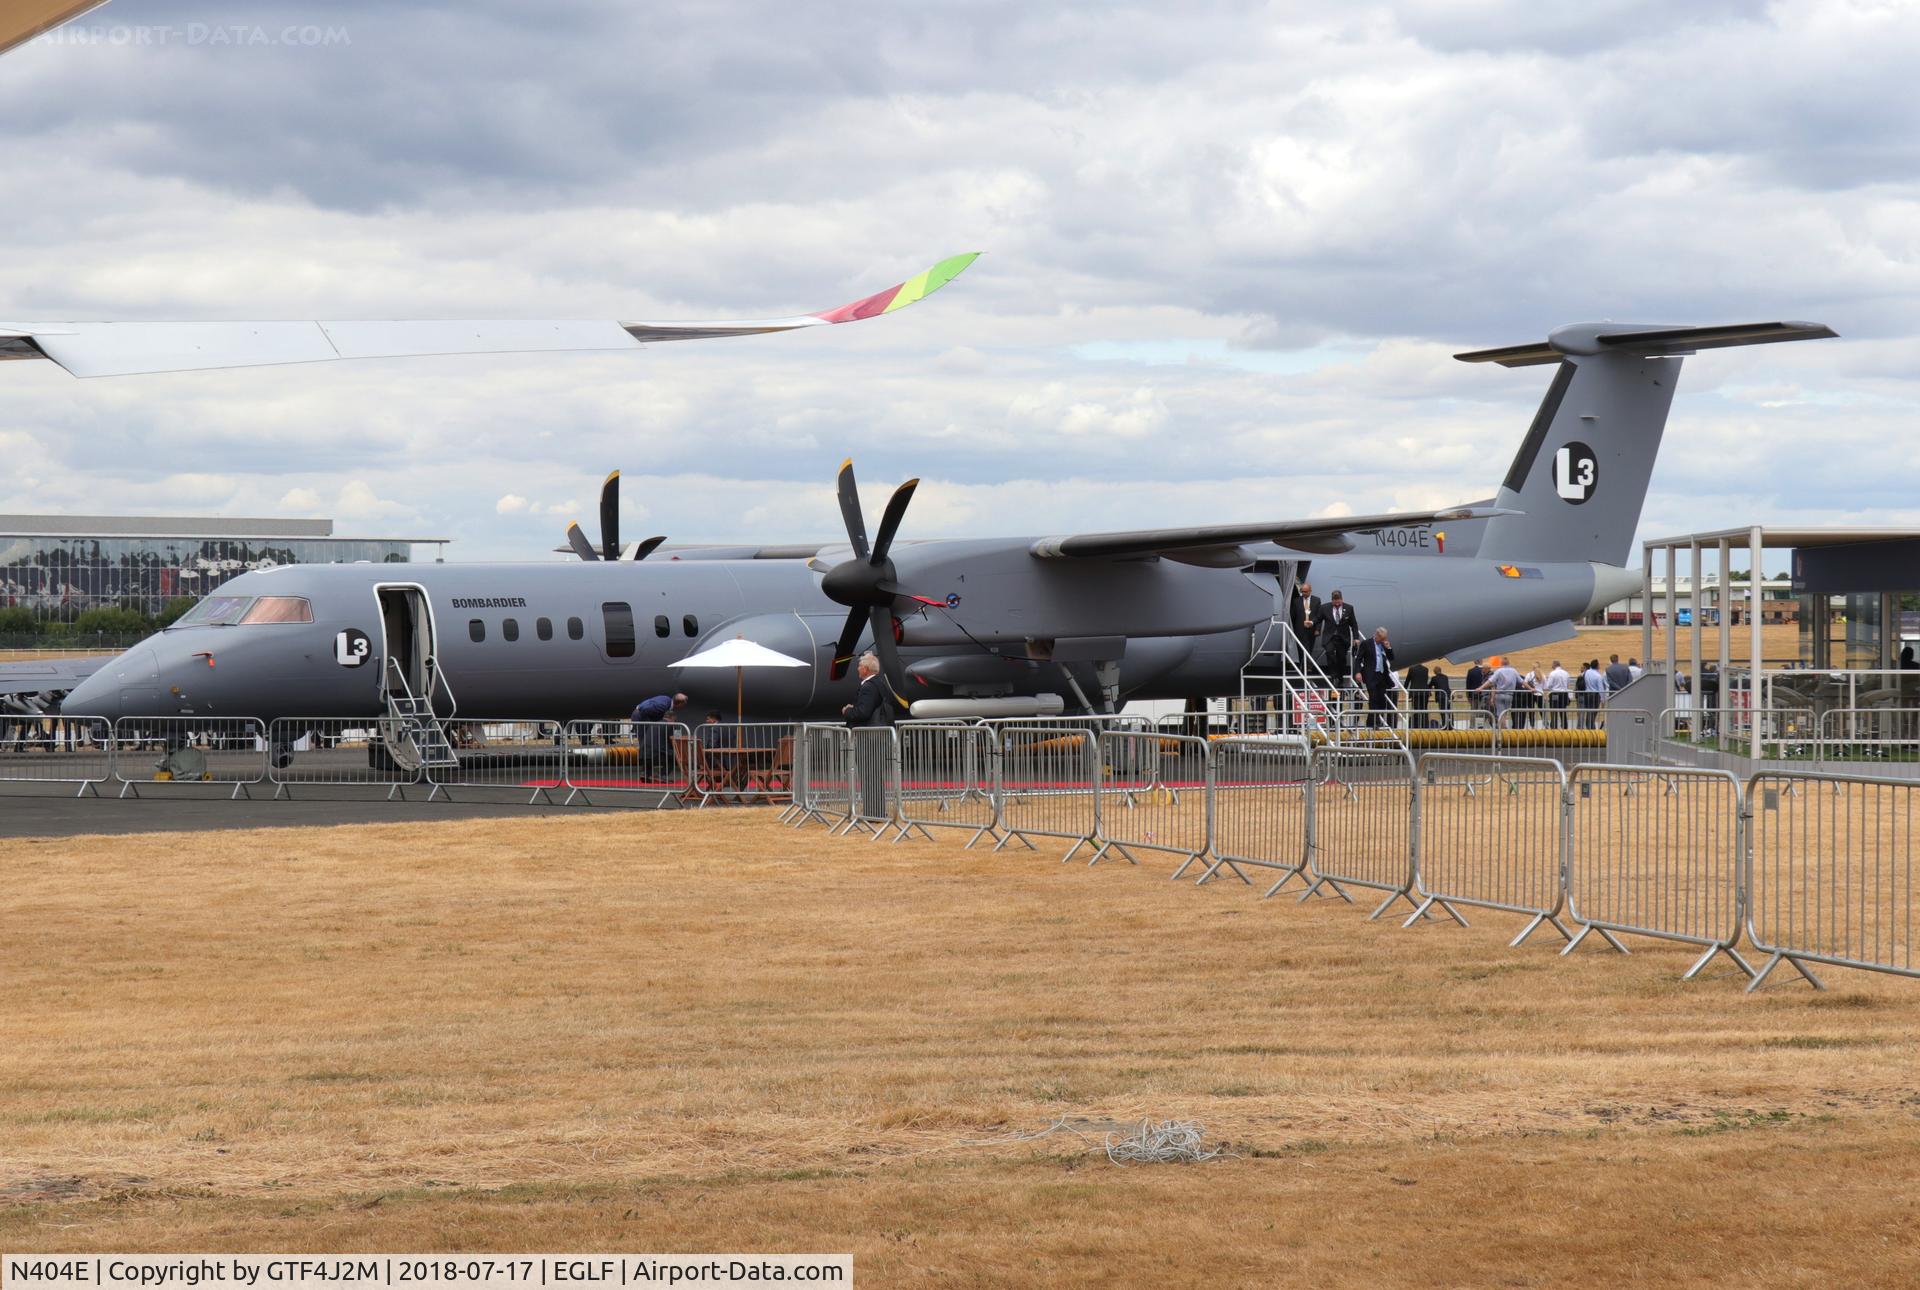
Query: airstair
(1284, 690)
(413, 735)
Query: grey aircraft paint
(1015, 616)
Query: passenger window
(543, 628)
(619, 620)
(476, 630)
(576, 630)
(661, 627)
(510, 628)
(690, 625)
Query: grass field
(700, 1031)
(1777, 641)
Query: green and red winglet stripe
(904, 294)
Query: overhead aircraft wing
(42, 675)
(22, 20)
(1219, 544)
(123, 349)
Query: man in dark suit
(874, 705)
(1306, 609)
(1334, 629)
(1619, 676)
(1418, 694)
(1476, 677)
(1374, 670)
(1442, 697)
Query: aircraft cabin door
(409, 667)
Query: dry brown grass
(701, 1031)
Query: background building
(60, 566)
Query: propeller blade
(578, 541)
(646, 546)
(850, 510)
(882, 622)
(610, 517)
(848, 642)
(890, 521)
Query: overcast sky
(1229, 249)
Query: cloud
(1230, 252)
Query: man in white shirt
(1593, 696)
(1634, 669)
(1504, 681)
(1559, 690)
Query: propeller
(609, 548)
(866, 584)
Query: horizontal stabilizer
(22, 20)
(1644, 338)
(1538, 636)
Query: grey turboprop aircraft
(1100, 618)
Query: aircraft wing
(22, 20)
(43, 675)
(1219, 544)
(122, 349)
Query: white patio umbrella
(739, 654)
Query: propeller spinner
(866, 584)
(609, 548)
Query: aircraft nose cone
(106, 693)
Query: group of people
(1555, 699)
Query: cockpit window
(278, 609)
(215, 611)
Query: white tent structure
(739, 654)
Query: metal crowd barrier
(1260, 802)
(1492, 833)
(823, 778)
(333, 752)
(1156, 794)
(946, 778)
(1883, 734)
(1049, 784)
(189, 750)
(1831, 872)
(625, 759)
(738, 763)
(1656, 853)
(62, 750)
(520, 756)
(1360, 822)
(875, 782)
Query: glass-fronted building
(60, 566)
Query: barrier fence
(1260, 803)
(1048, 785)
(1155, 794)
(1809, 868)
(1831, 864)
(625, 761)
(1656, 853)
(72, 750)
(1360, 815)
(230, 751)
(946, 778)
(1492, 833)
(333, 752)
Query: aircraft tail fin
(1580, 477)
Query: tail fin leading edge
(1580, 477)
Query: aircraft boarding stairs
(414, 736)
(1284, 690)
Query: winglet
(900, 296)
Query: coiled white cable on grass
(1168, 1142)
